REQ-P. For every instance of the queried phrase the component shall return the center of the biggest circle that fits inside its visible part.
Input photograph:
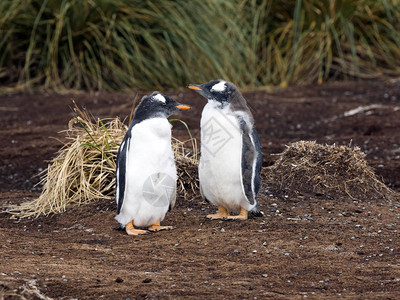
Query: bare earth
(306, 246)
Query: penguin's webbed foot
(131, 230)
(137, 232)
(236, 218)
(221, 214)
(216, 217)
(243, 215)
(157, 227)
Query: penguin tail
(119, 227)
(255, 212)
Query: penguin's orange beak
(182, 106)
(194, 87)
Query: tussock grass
(309, 168)
(187, 159)
(305, 41)
(118, 44)
(84, 169)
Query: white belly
(220, 162)
(150, 174)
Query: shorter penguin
(146, 173)
(231, 157)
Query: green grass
(304, 41)
(135, 44)
(118, 44)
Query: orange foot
(243, 215)
(131, 230)
(157, 227)
(221, 214)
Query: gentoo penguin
(231, 157)
(146, 172)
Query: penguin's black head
(155, 106)
(217, 90)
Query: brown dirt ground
(305, 246)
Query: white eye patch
(219, 87)
(160, 98)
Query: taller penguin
(231, 157)
(146, 172)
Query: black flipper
(257, 177)
(121, 170)
(251, 164)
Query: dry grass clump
(186, 165)
(84, 169)
(25, 292)
(306, 167)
